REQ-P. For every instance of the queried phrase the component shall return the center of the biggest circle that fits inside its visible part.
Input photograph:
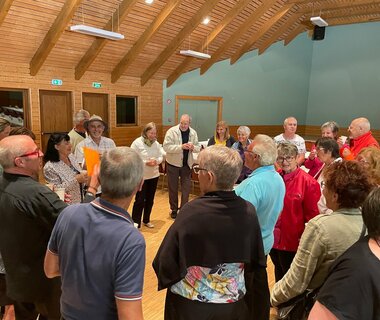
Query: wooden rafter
(337, 21)
(214, 33)
(119, 15)
(291, 36)
(277, 34)
(257, 35)
(4, 8)
(52, 36)
(340, 5)
(237, 34)
(132, 54)
(176, 42)
(352, 12)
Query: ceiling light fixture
(206, 21)
(195, 54)
(149, 1)
(318, 21)
(96, 32)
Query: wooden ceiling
(36, 32)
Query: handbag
(299, 307)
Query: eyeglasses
(282, 159)
(198, 170)
(38, 153)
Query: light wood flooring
(153, 300)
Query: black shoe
(173, 214)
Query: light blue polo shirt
(265, 189)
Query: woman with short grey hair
(241, 145)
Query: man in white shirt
(289, 135)
(95, 127)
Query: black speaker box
(319, 33)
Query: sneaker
(173, 214)
(136, 225)
(149, 225)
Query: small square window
(126, 111)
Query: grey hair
(10, 148)
(80, 116)
(187, 116)
(121, 172)
(225, 163)
(244, 129)
(288, 149)
(266, 149)
(287, 119)
(147, 127)
(332, 125)
(3, 124)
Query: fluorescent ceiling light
(149, 1)
(318, 21)
(195, 54)
(92, 31)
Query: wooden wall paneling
(17, 76)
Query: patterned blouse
(63, 176)
(221, 284)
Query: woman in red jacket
(300, 205)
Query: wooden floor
(153, 301)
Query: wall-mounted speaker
(319, 33)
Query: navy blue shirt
(101, 257)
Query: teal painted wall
(257, 89)
(345, 76)
(334, 79)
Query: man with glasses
(213, 242)
(179, 144)
(28, 213)
(78, 133)
(265, 189)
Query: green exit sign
(96, 85)
(56, 82)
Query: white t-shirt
(297, 140)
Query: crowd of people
(83, 256)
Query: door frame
(219, 100)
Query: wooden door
(96, 103)
(55, 113)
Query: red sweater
(300, 205)
(365, 140)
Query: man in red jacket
(360, 137)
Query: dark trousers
(180, 308)
(282, 261)
(257, 297)
(48, 308)
(173, 174)
(144, 201)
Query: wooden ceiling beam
(52, 36)
(257, 35)
(337, 22)
(292, 35)
(254, 16)
(119, 15)
(176, 42)
(214, 33)
(277, 34)
(4, 8)
(340, 5)
(132, 54)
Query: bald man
(179, 144)
(360, 137)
